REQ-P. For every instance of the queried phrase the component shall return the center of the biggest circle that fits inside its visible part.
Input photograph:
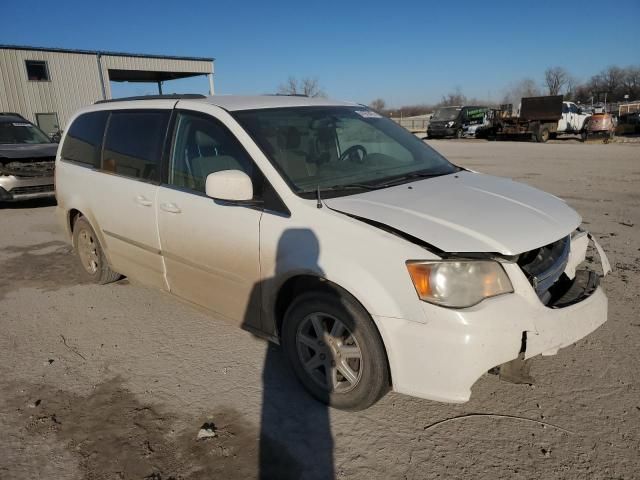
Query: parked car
(454, 121)
(601, 125)
(320, 225)
(27, 159)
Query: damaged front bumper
(14, 188)
(442, 358)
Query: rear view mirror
(230, 185)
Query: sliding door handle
(144, 201)
(170, 207)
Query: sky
(402, 52)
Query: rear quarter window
(133, 143)
(83, 142)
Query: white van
(320, 225)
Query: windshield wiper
(332, 189)
(407, 178)
(352, 186)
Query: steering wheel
(355, 153)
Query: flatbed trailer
(538, 120)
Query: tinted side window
(133, 143)
(84, 139)
(202, 146)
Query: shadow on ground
(48, 266)
(26, 204)
(113, 435)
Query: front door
(210, 248)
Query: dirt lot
(115, 381)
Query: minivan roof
(241, 102)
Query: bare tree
(453, 98)
(524, 88)
(378, 105)
(307, 86)
(631, 82)
(570, 87)
(613, 78)
(555, 79)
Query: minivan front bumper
(442, 358)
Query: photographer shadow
(295, 431)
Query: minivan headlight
(458, 284)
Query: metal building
(46, 85)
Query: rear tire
(335, 350)
(90, 254)
(543, 135)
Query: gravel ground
(115, 381)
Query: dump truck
(538, 119)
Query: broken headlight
(458, 284)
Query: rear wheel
(543, 135)
(90, 254)
(335, 350)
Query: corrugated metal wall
(74, 83)
(74, 79)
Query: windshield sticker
(16, 124)
(368, 114)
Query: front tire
(90, 254)
(335, 350)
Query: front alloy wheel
(329, 352)
(335, 349)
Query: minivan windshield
(340, 150)
(446, 114)
(21, 132)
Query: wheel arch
(303, 283)
(72, 217)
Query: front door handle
(170, 207)
(144, 201)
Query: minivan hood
(467, 212)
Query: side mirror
(230, 185)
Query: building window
(37, 70)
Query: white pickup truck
(541, 118)
(573, 120)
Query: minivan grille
(543, 266)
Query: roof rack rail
(174, 96)
(288, 95)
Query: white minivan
(320, 225)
